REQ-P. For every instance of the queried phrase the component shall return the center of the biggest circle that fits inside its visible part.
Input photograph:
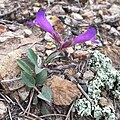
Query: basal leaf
(41, 96)
(51, 57)
(47, 92)
(37, 69)
(41, 77)
(28, 79)
(45, 109)
(32, 56)
(24, 66)
(35, 100)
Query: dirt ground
(69, 18)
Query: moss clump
(107, 78)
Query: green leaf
(41, 77)
(51, 57)
(35, 100)
(45, 109)
(37, 69)
(32, 56)
(47, 92)
(24, 66)
(28, 79)
(41, 96)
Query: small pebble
(27, 32)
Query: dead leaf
(64, 91)
(113, 52)
(70, 71)
(9, 68)
(56, 22)
(2, 28)
(81, 55)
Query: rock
(9, 69)
(48, 52)
(2, 1)
(2, 6)
(118, 28)
(13, 28)
(67, 21)
(115, 9)
(103, 102)
(57, 9)
(114, 31)
(48, 37)
(23, 93)
(117, 43)
(88, 75)
(70, 9)
(25, 12)
(49, 45)
(70, 71)
(76, 16)
(69, 50)
(27, 32)
(14, 85)
(3, 109)
(11, 35)
(81, 54)
(36, 9)
(106, 26)
(50, 1)
(88, 14)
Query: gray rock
(57, 9)
(27, 32)
(48, 37)
(76, 16)
(3, 109)
(114, 31)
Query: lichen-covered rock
(105, 78)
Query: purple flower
(43, 22)
(86, 36)
(45, 25)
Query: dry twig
(68, 114)
(84, 93)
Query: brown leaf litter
(64, 91)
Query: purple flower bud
(86, 36)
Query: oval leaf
(47, 92)
(45, 109)
(41, 77)
(24, 66)
(37, 69)
(51, 57)
(41, 96)
(28, 79)
(32, 56)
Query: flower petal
(88, 35)
(66, 44)
(43, 22)
(30, 23)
